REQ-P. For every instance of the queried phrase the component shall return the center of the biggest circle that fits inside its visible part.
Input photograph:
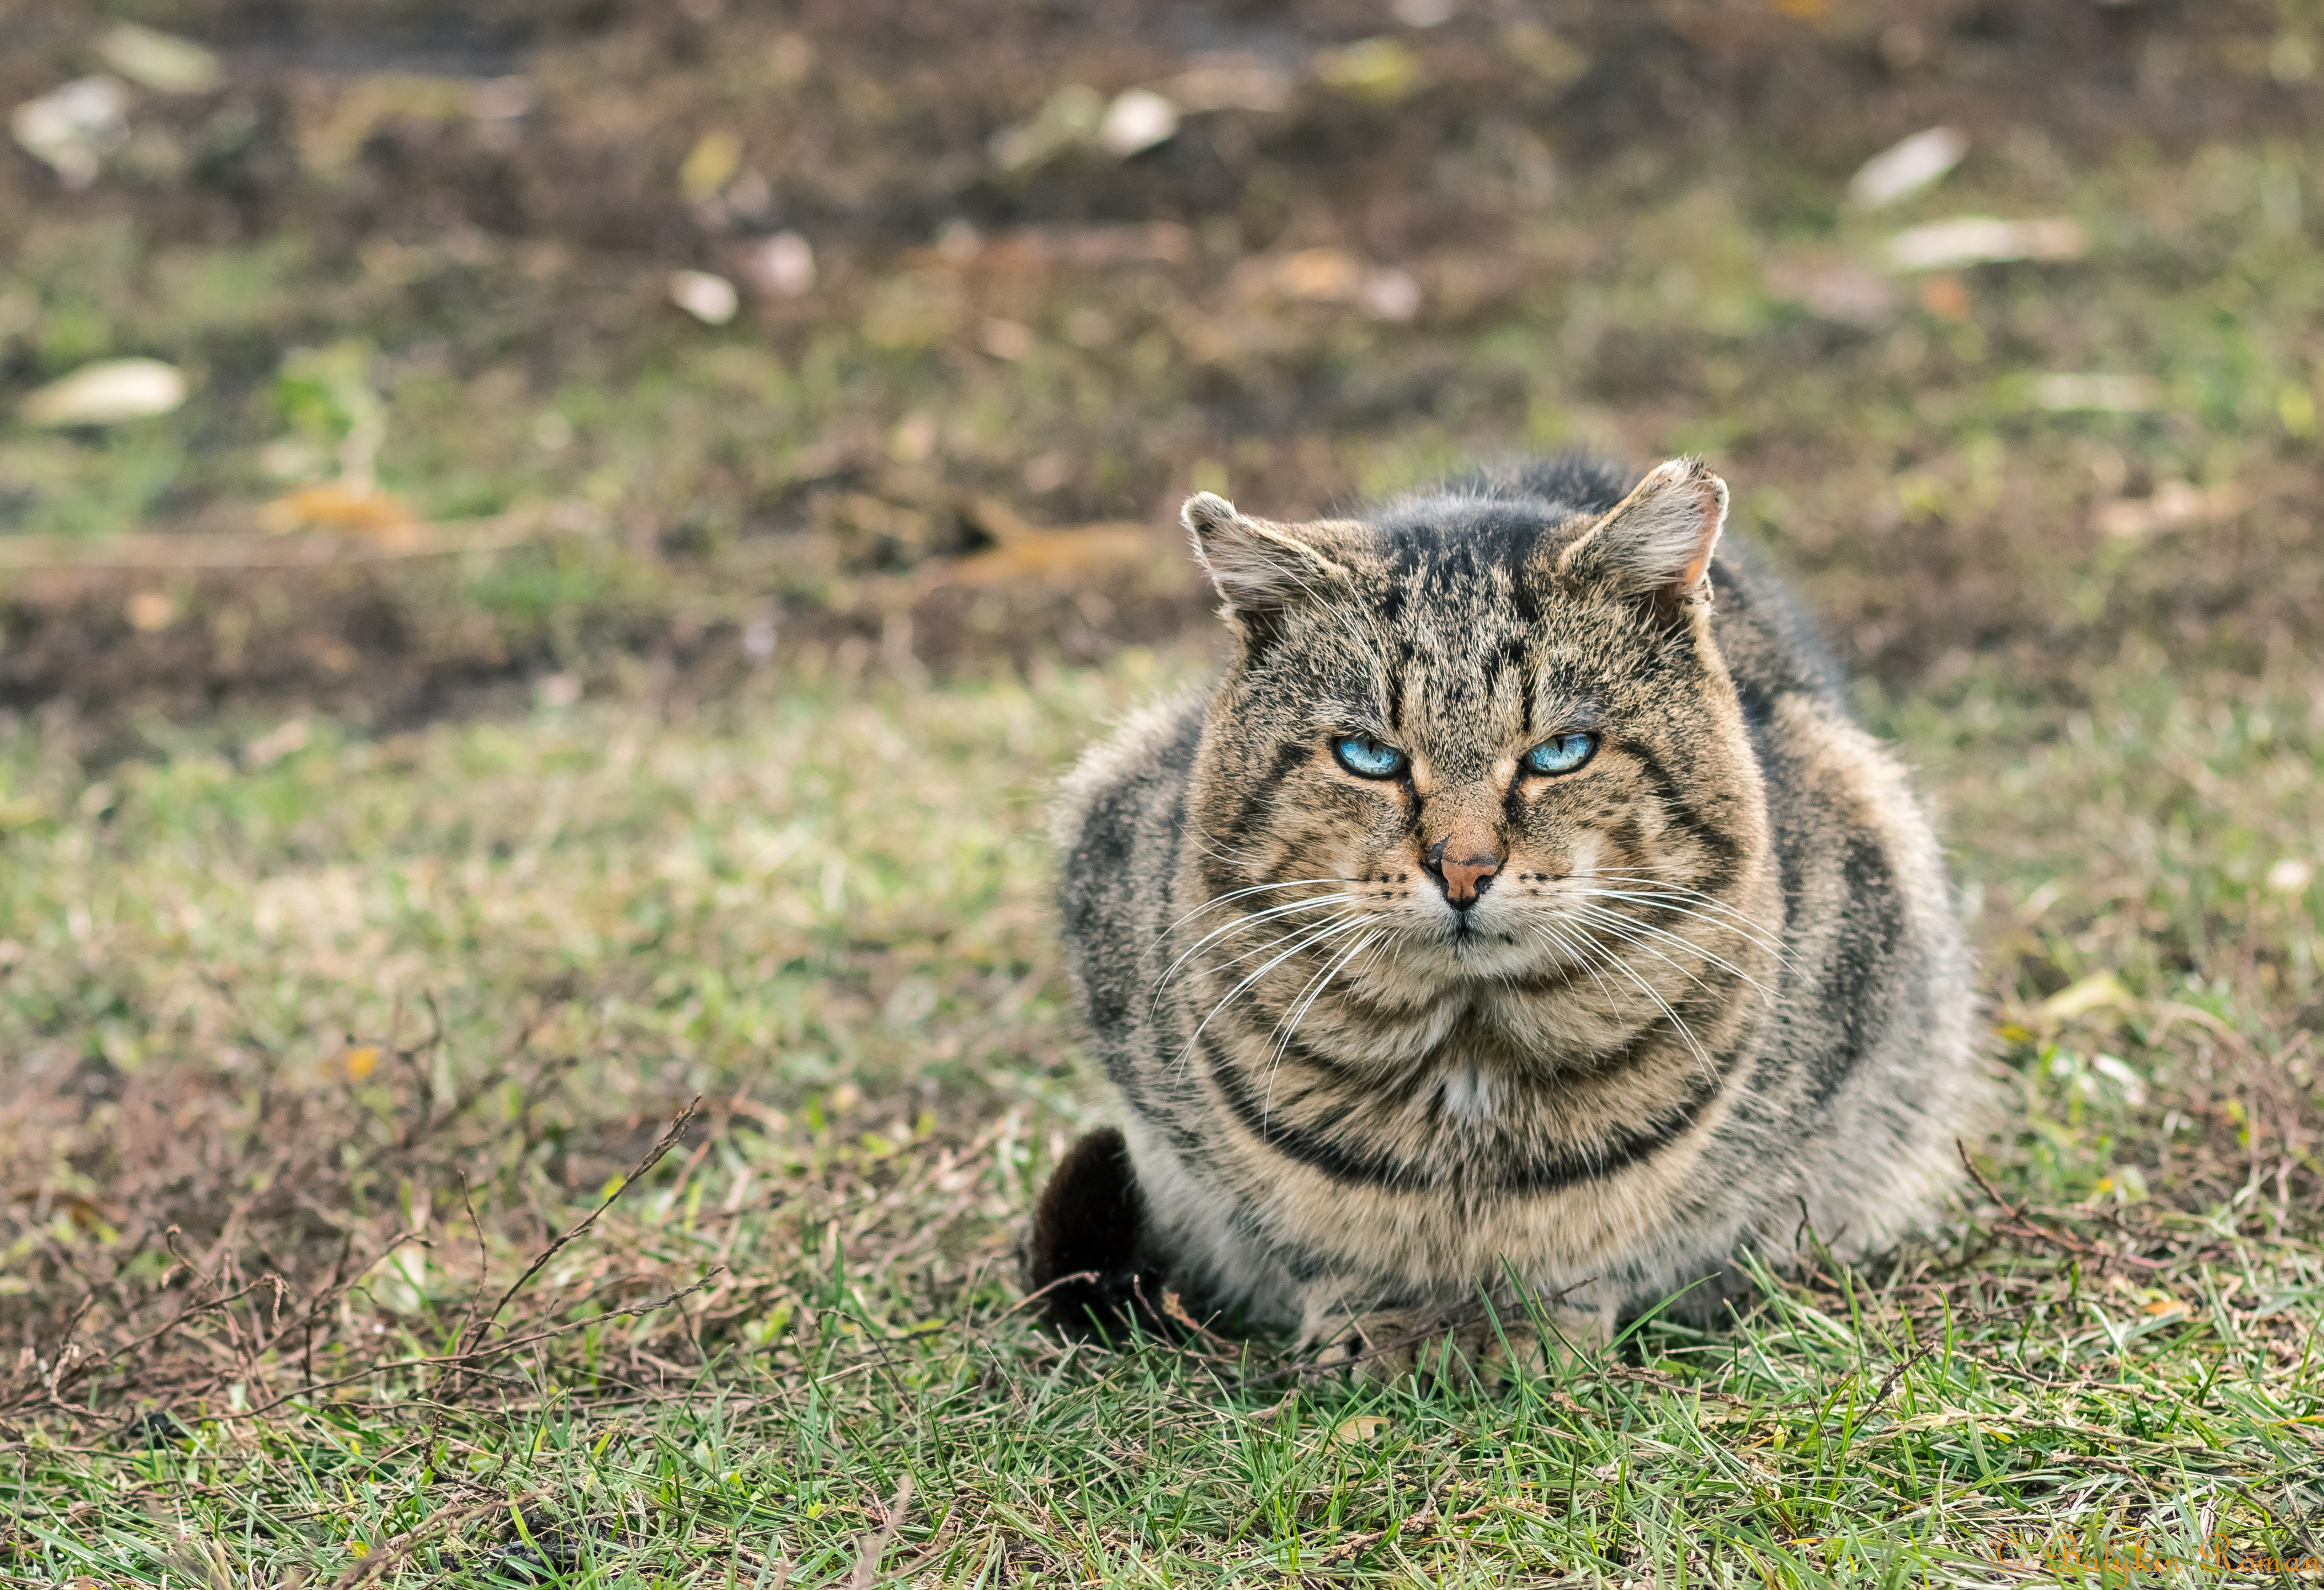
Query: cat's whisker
(1668, 895)
(1247, 920)
(1742, 927)
(1291, 1023)
(1637, 942)
(1579, 954)
(1314, 990)
(1233, 895)
(1320, 935)
(1256, 888)
(1776, 952)
(1282, 938)
(1664, 895)
(1678, 1023)
(1614, 921)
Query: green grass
(455, 983)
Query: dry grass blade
(872, 1551)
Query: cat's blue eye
(1562, 754)
(1373, 759)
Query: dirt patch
(1350, 253)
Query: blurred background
(493, 348)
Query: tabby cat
(1510, 915)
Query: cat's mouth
(1468, 935)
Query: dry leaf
(337, 507)
(710, 299)
(2093, 992)
(108, 392)
(709, 165)
(1984, 240)
(1905, 170)
(161, 61)
(2175, 503)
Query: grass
(275, 1010)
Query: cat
(1511, 918)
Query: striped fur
(1707, 989)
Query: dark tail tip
(1088, 1243)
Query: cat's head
(1479, 717)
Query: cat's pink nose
(1463, 864)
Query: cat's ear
(1657, 541)
(1259, 566)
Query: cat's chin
(1468, 949)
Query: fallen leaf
(1006, 339)
(2175, 503)
(1906, 168)
(1389, 295)
(783, 263)
(1548, 57)
(1380, 69)
(710, 299)
(336, 507)
(71, 129)
(1137, 119)
(106, 394)
(2091, 993)
(2067, 392)
(2112, 1067)
(332, 126)
(1945, 295)
(1068, 556)
(1228, 87)
(1321, 275)
(159, 60)
(150, 612)
(1071, 115)
(709, 165)
(1983, 240)
(1832, 290)
(268, 748)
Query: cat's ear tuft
(1658, 540)
(1258, 566)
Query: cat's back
(1116, 827)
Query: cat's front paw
(1457, 1349)
(1392, 1343)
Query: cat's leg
(1455, 1342)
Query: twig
(1427, 1518)
(396, 1548)
(479, 1356)
(1040, 1292)
(662, 1145)
(311, 550)
(2022, 1225)
(1895, 1373)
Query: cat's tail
(1089, 1254)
